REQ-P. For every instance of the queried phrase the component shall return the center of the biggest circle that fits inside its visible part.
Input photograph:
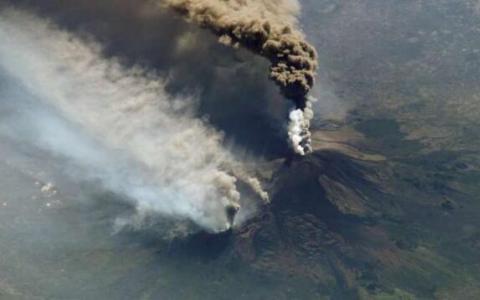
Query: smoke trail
(268, 28)
(135, 139)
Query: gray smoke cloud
(268, 28)
(118, 126)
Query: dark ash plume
(268, 28)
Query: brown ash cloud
(273, 35)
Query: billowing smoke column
(269, 28)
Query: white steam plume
(123, 128)
(299, 128)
